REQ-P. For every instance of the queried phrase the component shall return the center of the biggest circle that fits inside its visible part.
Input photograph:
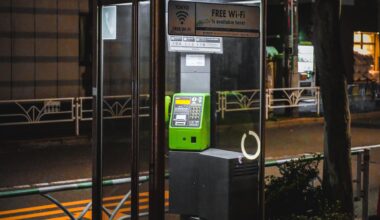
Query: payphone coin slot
(193, 140)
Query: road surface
(69, 162)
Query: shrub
(292, 196)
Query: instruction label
(206, 19)
(195, 44)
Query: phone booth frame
(157, 94)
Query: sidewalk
(372, 118)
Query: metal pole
(157, 70)
(318, 101)
(358, 176)
(97, 124)
(224, 104)
(135, 112)
(365, 201)
(267, 104)
(77, 106)
(287, 32)
(263, 19)
(295, 76)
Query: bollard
(358, 176)
(268, 95)
(77, 106)
(378, 205)
(318, 101)
(365, 170)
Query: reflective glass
(117, 73)
(231, 78)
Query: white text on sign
(230, 13)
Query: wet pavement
(69, 161)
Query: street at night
(190, 109)
(284, 139)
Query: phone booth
(214, 126)
(179, 109)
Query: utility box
(184, 182)
(214, 185)
(189, 127)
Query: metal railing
(247, 100)
(361, 189)
(37, 111)
(114, 107)
(238, 100)
(48, 188)
(363, 91)
(293, 98)
(58, 110)
(77, 110)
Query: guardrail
(58, 110)
(37, 111)
(293, 98)
(362, 184)
(77, 110)
(114, 107)
(247, 100)
(45, 191)
(364, 90)
(238, 100)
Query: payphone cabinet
(189, 125)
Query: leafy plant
(293, 195)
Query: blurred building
(45, 43)
(41, 43)
(290, 24)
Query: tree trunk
(337, 176)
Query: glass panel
(364, 43)
(117, 73)
(368, 38)
(145, 119)
(233, 80)
(215, 104)
(357, 37)
(357, 47)
(237, 72)
(370, 49)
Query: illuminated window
(367, 43)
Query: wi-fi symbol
(182, 15)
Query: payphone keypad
(187, 111)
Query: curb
(17, 145)
(56, 142)
(316, 120)
(293, 121)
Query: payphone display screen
(187, 111)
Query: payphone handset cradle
(189, 125)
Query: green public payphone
(189, 125)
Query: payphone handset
(189, 125)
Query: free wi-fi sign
(181, 18)
(213, 19)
